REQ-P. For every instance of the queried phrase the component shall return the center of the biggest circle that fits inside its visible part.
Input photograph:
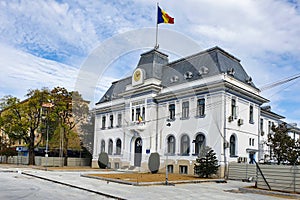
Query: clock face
(137, 75)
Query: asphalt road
(15, 186)
(39, 184)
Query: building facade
(176, 108)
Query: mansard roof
(204, 64)
(266, 111)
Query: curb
(152, 183)
(267, 192)
(73, 186)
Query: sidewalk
(220, 191)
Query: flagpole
(156, 43)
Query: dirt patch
(148, 177)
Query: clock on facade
(138, 77)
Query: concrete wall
(283, 178)
(279, 177)
(241, 171)
(22, 160)
(42, 161)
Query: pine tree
(206, 163)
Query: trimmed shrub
(103, 160)
(154, 163)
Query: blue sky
(45, 43)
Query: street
(15, 186)
(28, 183)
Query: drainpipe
(259, 132)
(156, 126)
(224, 140)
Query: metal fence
(242, 171)
(43, 161)
(277, 177)
(280, 177)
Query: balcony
(139, 126)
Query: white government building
(175, 108)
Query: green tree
(69, 110)
(281, 143)
(294, 153)
(206, 163)
(21, 120)
(7, 101)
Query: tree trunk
(66, 144)
(31, 149)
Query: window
(119, 120)
(200, 107)
(183, 169)
(132, 115)
(103, 122)
(172, 111)
(185, 145)
(251, 115)
(232, 146)
(111, 119)
(251, 141)
(170, 169)
(137, 114)
(102, 146)
(199, 143)
(118, 147)
(185, 110)
(269, 127)
(110, 147)
(262, 127)
(233, 108)
(171, 144)
(117, 165)
(143, 113)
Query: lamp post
(47, 135)
(48, 105)
(167, 174)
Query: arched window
(102, 146)
(199, 143)
(171, 144)
(232, 147)
(110, 147)
(118, 147)
(185, 145)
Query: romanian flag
(163, 17)
(140, 119)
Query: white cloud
(263, 34)
(21, 71)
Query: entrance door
(138, 152)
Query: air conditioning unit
(226, 144)
(240, 159)
(230, 118)
(240, 122)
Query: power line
(280, 82)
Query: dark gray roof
(266, 111)
(204, 64)
(115, 89)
